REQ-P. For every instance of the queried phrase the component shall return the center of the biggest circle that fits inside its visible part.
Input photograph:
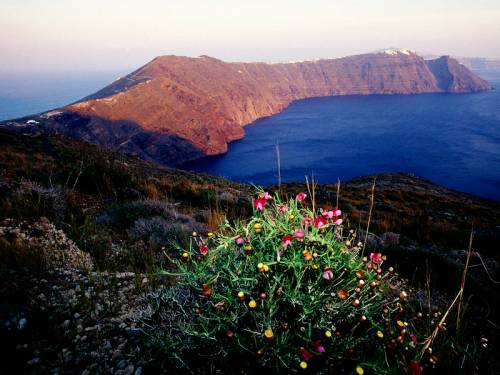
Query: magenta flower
(307, 221)
(202, 248)
(318, 348)
(282, 208)
(338, 222)
(287, 241)
(376, 258)
(319, 222)
(259, 203)
(327, 273)
(239, 241)
(337, 212)
(301, 196)
(299, 234)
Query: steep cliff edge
(174, 109)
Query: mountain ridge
(175, 108)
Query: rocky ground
(69, 318)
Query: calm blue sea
(450, 139)
(27, 94)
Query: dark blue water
(27, 94)
(450, 139)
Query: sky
(100, 35)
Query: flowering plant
(287, 290)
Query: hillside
(84, 230)
(175, 109)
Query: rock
(22, 324)
(129, 370)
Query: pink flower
(307, 221)
(239, 241)
(299, 234)
(202, 248)
(259, 203)
(287, 241)
(414, 339)
(329, 214)
(319, 222)
(376, 258)
(266, 196)
(328, 273)
(282, 208)
(301, 196)
(318, 347)
(338, 222)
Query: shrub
(32, 201)
(158, 231)
(286, 291)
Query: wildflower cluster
(288, 290)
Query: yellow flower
(359, 370)
(185, 255)
(328, 334)
(266, 268)
(268, 334)
(380, 334)
(241, 295)
(303, 365)
(260, 267)
(211, 235)
(257, 227)
(252, 304)
(400, 323)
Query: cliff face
(177, 108)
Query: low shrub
(286, 291)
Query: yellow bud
(252, 304)
(359, 370)
(380, 334)
(328, 334)
(303, 365)
(268, 334)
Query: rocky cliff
(175, 108)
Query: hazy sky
(109, 35)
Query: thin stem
(464, 275)
(369, 215)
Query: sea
(450, 139)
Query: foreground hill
(83, 231)
(175, 109)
